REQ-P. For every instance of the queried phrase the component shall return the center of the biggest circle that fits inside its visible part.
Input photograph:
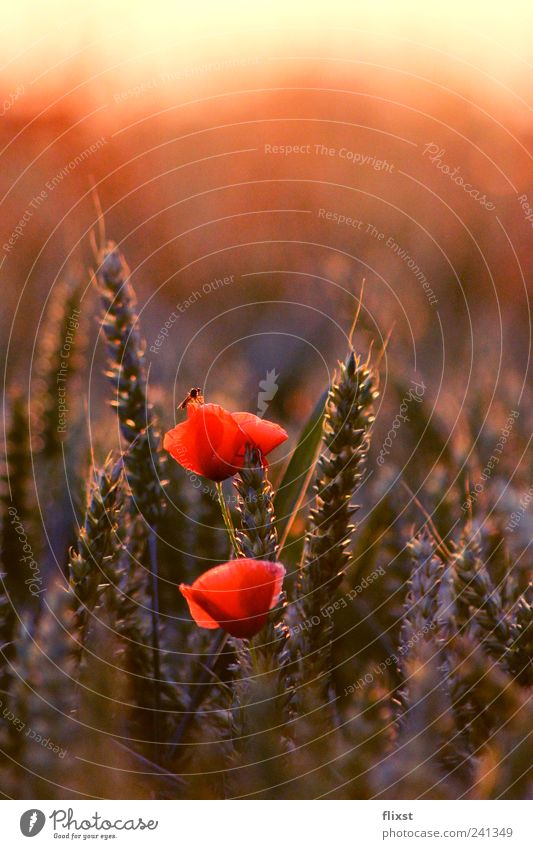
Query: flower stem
(227, 520)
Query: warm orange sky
(44, 37)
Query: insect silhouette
(194, 396)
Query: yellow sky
(48, 34)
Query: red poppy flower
(236, 596)
(211, 442)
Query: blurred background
(258, 166)
(296, 149)
(255, 166)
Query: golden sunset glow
(266, 499)
(130, 35)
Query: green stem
(227, 520)
(253, 655)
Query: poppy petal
(181, 447)
(207, 443)
(198, 613)
(219, 439)
(237, 595)
(263, 434)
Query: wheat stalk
(421, 616)
(261, 693)
(127, 371)
(520, 658)
(257, 536)
(347, 421)
(56, 364)
(92, 563)
(14, 504)
(478, 597)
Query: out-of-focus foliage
(398, 665)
